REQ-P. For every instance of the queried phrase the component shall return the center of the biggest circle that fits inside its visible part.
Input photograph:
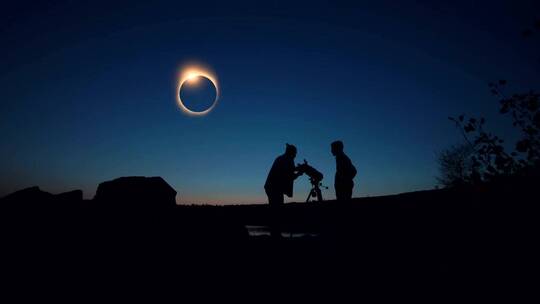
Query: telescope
(315, 178)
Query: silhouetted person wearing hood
(345, 172)
(280, 182)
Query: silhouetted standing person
(345, 172)
(280, 182)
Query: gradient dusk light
(91, 91)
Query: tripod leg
(319, 194)
(308, 196)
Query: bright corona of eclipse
(191, 75)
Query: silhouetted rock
(31, 195)
(75, 196)
(35, 197)
(136, 191)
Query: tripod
(315, 190)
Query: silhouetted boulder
(75, 196)
(136, 191)
(31, 195)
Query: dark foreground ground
(447, 242)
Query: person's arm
(294, 173)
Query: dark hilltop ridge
(133, 224)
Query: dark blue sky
(88, 90)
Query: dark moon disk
(197, 94)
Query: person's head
(336, 147)
(290, 150)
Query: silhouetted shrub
(488, 158)
(455, 166)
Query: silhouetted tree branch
(488, 158)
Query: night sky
(88, 90)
